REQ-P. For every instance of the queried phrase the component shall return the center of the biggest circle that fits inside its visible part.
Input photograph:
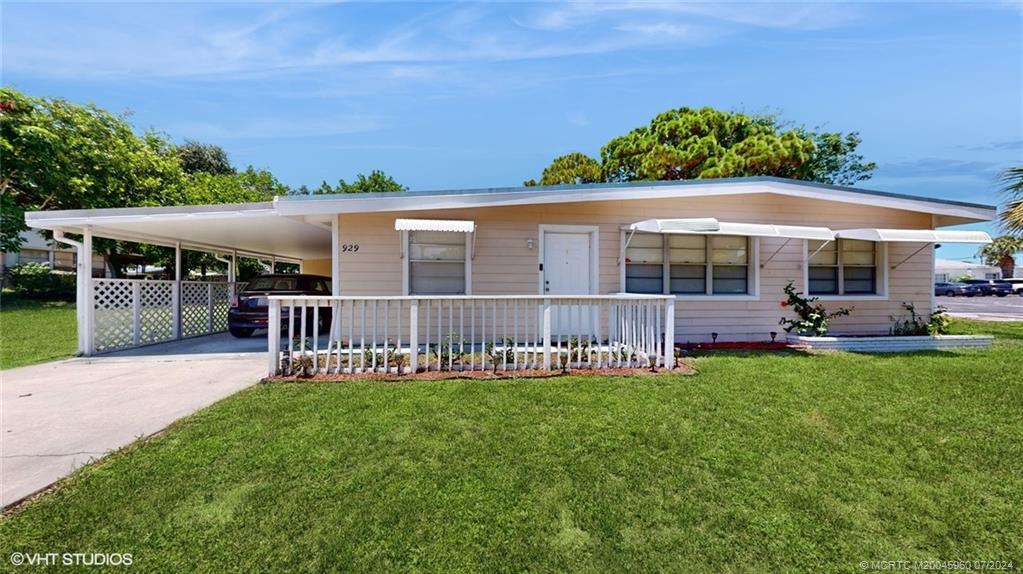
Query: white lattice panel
(195, 308)
(222, 293)
(156, 311)
(112, 315)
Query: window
(842, 267)
(34, 256)
(682, 264)
(437, 263)
(64, 259)
(994, 276)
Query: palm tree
(1012, 215)
(1002, 252)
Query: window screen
(842, 267)
(690, 259)
(644, 264)
(436, 263)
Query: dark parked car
(250, 311)
(954, 290)
(990, 287)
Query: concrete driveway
(1008, 308)
(56, 417)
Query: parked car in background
(990, 287)
(250, 307)
(954, 290)
(1016, 284)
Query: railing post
(669, 333)
(273, 338)
(209, 308)
(176, 310)
(413, 337)
(136, 312)
(547, 334)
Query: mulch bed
(682, 369)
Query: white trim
(881, 262)
(335, 255)
(454, 225)
(593, 231)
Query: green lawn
(33, 331)
(761, 462)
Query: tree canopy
(376, 182)
(1012, 214)
(688, 143)
(1002, 253)
(197, 157)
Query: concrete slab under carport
(59, 416)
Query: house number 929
(350, 248)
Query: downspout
(80, 288)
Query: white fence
(331, 335)
(134, 312)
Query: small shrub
(36, 279)
(813, 317)
(914, 325)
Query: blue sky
(479, 95)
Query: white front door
(567, 271)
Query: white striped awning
(711, 226)
(458, 225)
(915, 235)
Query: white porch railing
(332, 335)
(134, 312)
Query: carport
(118, 314)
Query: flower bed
(891, 344)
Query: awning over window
(915, 235)
(711, 226)
(458, 225)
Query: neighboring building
(948, 270)
(722, 250)
(37, 249)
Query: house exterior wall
(504, 264)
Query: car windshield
(273, 284)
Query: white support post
(176, 296)
(209, 308)
(669, 333)
(273, 338)
(547, 334)
(81, 285)
(413, 336)
(136, 313)
(232, 270)
(273, 265)
(85, 257)
(335, 256)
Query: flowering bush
(813, 318)
(915, 325)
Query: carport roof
(299, 226)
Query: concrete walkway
(56, 417)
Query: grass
(761, 462)
(34, 331)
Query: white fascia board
(414, 202)
(85, 217)
(914, 235)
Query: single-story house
(690, 260)
(948, 270)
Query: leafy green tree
(1012, 214)
(688, 143)
(196, 157)
(571, 168)
(58, 155)
(376, 182)
(1002, 252)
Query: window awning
(711, 226)
(915, 235)
(457, 225)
